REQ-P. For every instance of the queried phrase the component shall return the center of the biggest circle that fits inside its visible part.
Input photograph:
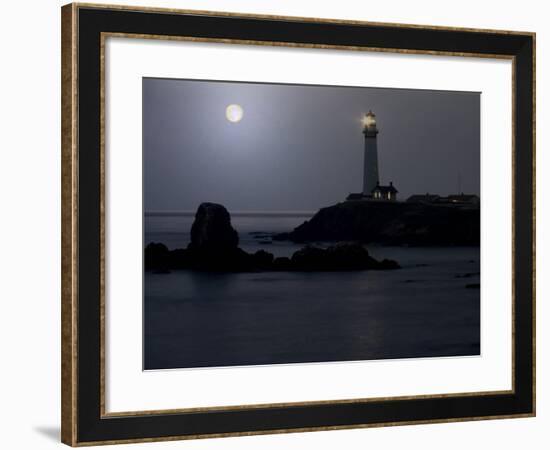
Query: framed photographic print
(280, 224)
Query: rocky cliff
(391, 223)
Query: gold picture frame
(76, 430)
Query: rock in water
(214, 247)
(212, 230)
(157, 257)
(262, 260)
(342, 256)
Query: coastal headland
(391, 223)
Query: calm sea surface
(194, 319)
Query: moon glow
(234, 113)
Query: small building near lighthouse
(372, 189)
(385, 192)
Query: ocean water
(194, 319)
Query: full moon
(234, 113)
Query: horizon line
(245, 213)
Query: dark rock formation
(335, 258)
(263, 260)
(223, 260)
(157, 257)
(214, 247)
(212, 230)
(214, 242)
(282, 263)
(391, 223)
(343, 256)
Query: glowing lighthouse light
(369, 121)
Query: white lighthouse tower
(372, 189)
(370, 172)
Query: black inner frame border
(91, 426)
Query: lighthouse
(372, 189)
(370, 168)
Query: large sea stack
(212, 229)
(214, 242)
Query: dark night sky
(300, 147)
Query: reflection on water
(194, 319)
